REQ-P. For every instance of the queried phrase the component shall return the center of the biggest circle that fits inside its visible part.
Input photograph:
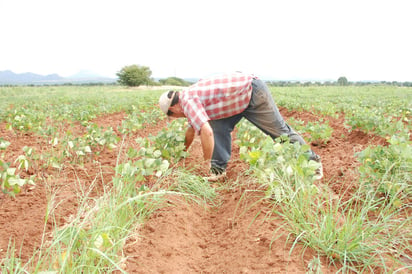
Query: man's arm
(208, 142)
(189, 136)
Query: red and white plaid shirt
(215, 98)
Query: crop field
(94, 179)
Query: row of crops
(47, 112)
(360, 233)
(375, 222)
(93, 239)
(382, 110)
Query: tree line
(335, 83)
(136, 75)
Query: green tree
(343, 81)
(134, 75)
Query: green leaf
(17, 181)
(165, 154)
(149, 162)
(11, 171)
(164, 165)
(4, 144)
(157, 153)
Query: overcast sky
(301, 39)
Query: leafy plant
(267, 157)
(97, 136)
(248, 134)
(344, 231)
(3, 146)
(24, 119)
(169, 141)
(10, 180)
(136, 120)
(137, 170)
(320, 132)
(388, 169)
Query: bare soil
(236, 234)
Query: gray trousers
(262, 112)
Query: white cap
(165, 101)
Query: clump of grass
(93, 240)
(359, 234)
(11, 264)
(197, 188)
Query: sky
(362, 40)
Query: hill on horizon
(8, 77)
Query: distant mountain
(8, 77)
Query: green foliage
(98, 136)
(271, 160)
(267, 157)
(170, 141)
(319, 132)
(10, 263)
(155, 154)
(343, 81)
(372, 120)
(134, 75)
(388, 169)
(149, 163)
(24, 119)
(249, 135)
(362, 231)
(383, 110)
(10, 181)
(137, 119)
(345, 231)
(79, 149)
(4, 144)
